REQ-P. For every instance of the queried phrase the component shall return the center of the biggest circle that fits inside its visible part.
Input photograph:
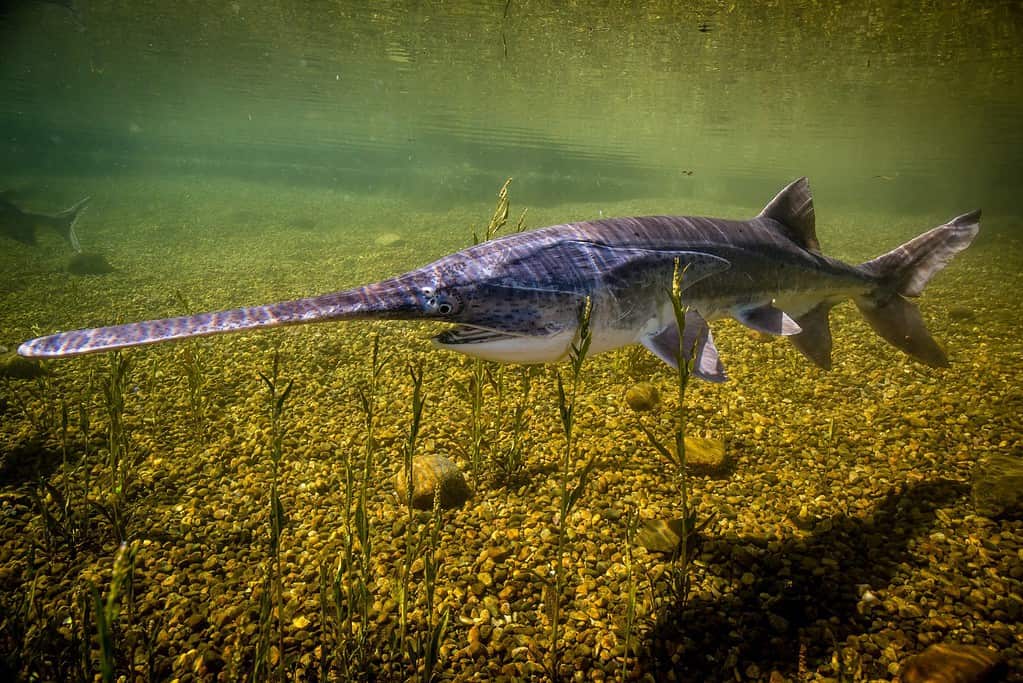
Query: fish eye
(445, 308)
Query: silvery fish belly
(519, 298)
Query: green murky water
(242, 153)
(885, 107)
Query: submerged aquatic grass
(403, 586)
(272, 605)
(484, 433)
(107, 610)
(680, 576)
(122, 461)
(194, 367)
(419, 644)
(571, 485)
(509, 456)
(474, 391)
(346, 586)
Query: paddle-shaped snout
(411, 296)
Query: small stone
(954, 663)
(431, 474)
(998, 486)
(642, 397)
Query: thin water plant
(346, 596)
(62, 507)
(480, 373)
(114, 390)
(122, 463)
(508, 460)
(631, 594)
(499, 219)
(65, 524)
(84, 426)
(193, 365)
(403, 587)
(571, 481)
(107, 609)
(473, 389)
(422, 647)
(680, 578)
(277, 397)
(33, 400)
(65, 422)
(432, 636)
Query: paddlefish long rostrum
(518, 298)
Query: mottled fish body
(518, 298)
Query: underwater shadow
(28, 462)
(803, 594)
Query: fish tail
(904, 272)
(66, 219)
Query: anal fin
(697, 339)
(814, 341)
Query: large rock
(998, 486)
(430, 474)
(952, 663)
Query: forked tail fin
(904, 272)
(66, 220)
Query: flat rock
(432, 475)
(665, 535)
(705, 454)
(953, 663)
(388, 239)
(998, 486)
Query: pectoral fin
(697, 339)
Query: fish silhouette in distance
(22, 225)
(518, 298)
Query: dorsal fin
(793, 208)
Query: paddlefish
(518, 298)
